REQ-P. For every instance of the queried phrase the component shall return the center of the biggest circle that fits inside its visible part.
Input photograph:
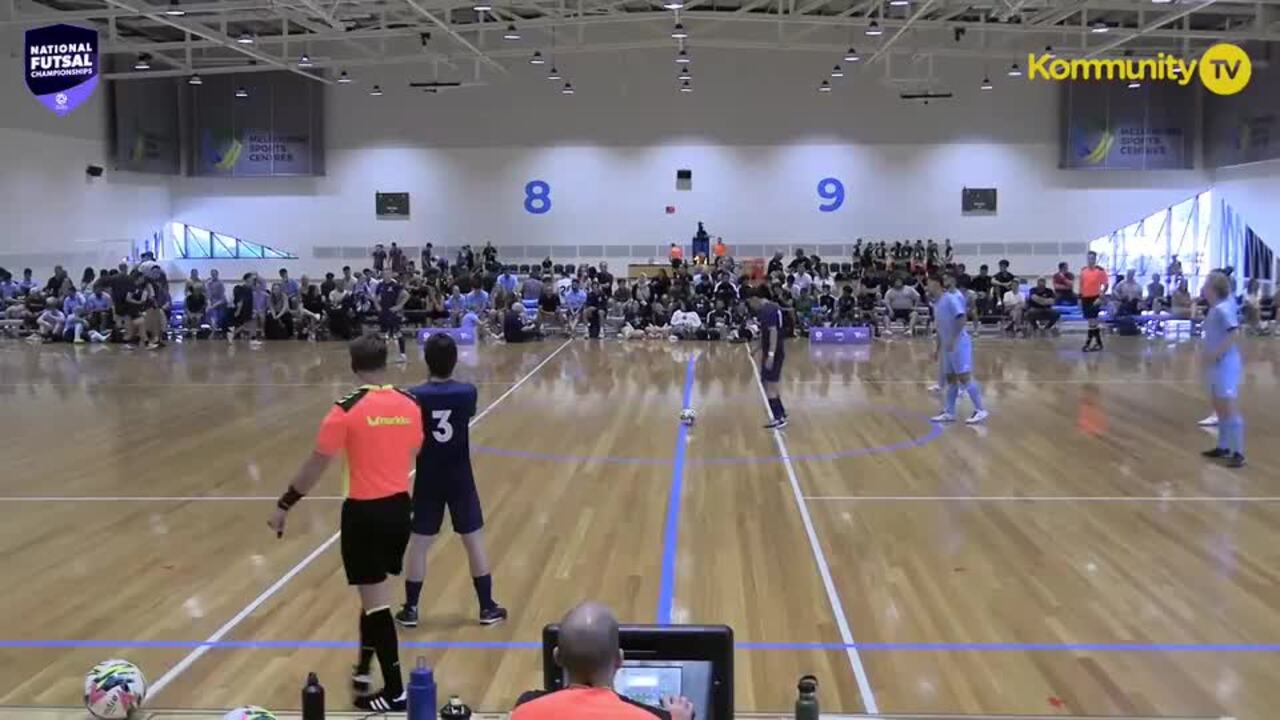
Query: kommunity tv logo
(1224, 69)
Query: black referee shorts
(1090, 307)
(375, 534)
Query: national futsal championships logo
(1223, 69)
(60, 65)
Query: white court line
(1048, 498)
(819, 557)
(152, 498)
(196, 654)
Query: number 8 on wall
(537, 197)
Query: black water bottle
(807, 700)
(313, 699)
(455, 710)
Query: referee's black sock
(400, 343)
(412, 591)
(484, 591)
(775, 408)
(366, 647)
(382, 636)
(781, 410)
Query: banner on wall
(1244, 128)
(264, 124)
(61, 65)
(254, 151)
(1108, 126)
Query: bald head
(588, 646)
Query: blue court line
(671, 531)
(755, 646)
(935, 431)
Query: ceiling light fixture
(684, 73)
(195, 80)
(343, 78)
(1099, 27)
(376, 91)
(825, 87)
(1048, 50)
(852, 56)
(143, 62)
(899, 3)
(174, 9)
(241, 92)
(678, 32)
(673, 5)
(245, 39)
(1134, 84)
(685, 87)
(986, 83)
(567, 89)
(837, 72)
(554, 74)
(874, 29)
(1015, 71)
(682, 57)
(537, 58)
(305, 61)
(511, 33)
(482, 6)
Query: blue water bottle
(422, 692)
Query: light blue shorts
(960, 360)
(1224, 377)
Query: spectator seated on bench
(1041, 315)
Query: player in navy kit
(773, 352)
(444, 480)
(390, 298)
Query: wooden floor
(1073, 557)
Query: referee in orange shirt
(380, 429)
(1093, 285)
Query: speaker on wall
(684, 179)
(94, 171)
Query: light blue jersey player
(1223, 368)
(955, 350)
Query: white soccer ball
(688, 416)
(250, 712)
(113, 689)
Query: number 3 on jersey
(443, 430)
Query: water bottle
(807, 700)
(422, 691)
(455, 710)
(312, 699)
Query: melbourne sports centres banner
(61, 65)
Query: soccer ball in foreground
(688, 416)
(250, 712)
(113, 689)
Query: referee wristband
(289, 499)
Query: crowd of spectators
(882, 287)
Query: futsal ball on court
(113, 689)
(688, 416)
(250, 712)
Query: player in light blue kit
(1223, 368)
(955, 351)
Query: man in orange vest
(676, 255)
(1093, 285)
(720, 248)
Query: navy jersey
(447, 409)
(770, 316)
(389, 295)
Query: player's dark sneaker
(1217, 453)
(360, 684)
(493, 615)
(408, 616)
(1235, 461)
(776, 424)
(380, 703)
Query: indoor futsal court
(1068, 558)
(925, 347)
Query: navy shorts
(772, 373)
(390, 323)
(433, 495)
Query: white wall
(53, 213)
(756, 135)
(1253, 191)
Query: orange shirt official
(380, 428)
(1092, 279)
(585, 703)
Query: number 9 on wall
(833, 190)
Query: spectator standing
(289, 286)
(1064, 284)
(379, 258)
(1155, 294)
(396, 256)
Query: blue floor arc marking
(671, 527)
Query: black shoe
(1088, 347)
(776, 424)
(1235, 461)
(361, 685)
(408, 616)
(1217, 453)
(380, 703)
(493, 615)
